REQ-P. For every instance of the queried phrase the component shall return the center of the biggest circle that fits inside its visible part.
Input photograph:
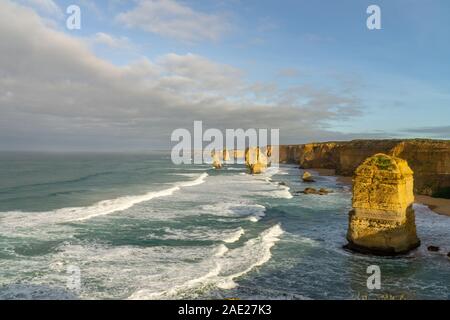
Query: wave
(101, 208)
(253, 212)
(198, 233)
(43, 184)
(234, 169)
(68, 181)
(235, 236)
(270, 171)
(282, 193)
(225, 266)
(133, 272)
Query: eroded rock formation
(217, 164)
(429, 159)
(307, 177)
(382, 220)
(226, 155)
(255, 160)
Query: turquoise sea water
(138, 227)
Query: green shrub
(382, 162)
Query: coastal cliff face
(382, 220)
(429, 159)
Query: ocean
(136, 226)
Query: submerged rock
(321, 191)
(307, 177)
(310, 191)
(382, 220)
(433, 248)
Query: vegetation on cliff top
(382, 162)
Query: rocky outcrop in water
(382, 220)
(307, 177)
(321, 191)
(217, 164)
(433, 248)
(429, 159)
(255, 160)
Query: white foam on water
(224, 267)
(280, 191)
(270, 171)
(190, 175)
(133, 272)
(126, 271)
(235, 236)
(283, 193)
(35, 292)
(221, 250)
(234, 169)
(198, 233)
(254, 212)
(20, 219)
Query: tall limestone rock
(382, 220)
(255, 160)
(216, 160)
(226, 155)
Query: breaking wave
(105, 207)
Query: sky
(137, 70)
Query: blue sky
(397, 78)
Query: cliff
(382, 220)
(429, 159)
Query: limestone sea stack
(226, 155)
(216, 160)
(382, 220)
(255, 160)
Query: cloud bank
(56, 94)
(174, 20)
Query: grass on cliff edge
(382, 163)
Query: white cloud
(101, 38)
(169, 18)
(45, 6)
(54, 92)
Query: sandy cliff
(429, 159)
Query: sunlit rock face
(382, 220)
(429, 159)
(217, 164)
(255, 160)
(226, 155)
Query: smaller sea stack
(307, 177)
(216, 160)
